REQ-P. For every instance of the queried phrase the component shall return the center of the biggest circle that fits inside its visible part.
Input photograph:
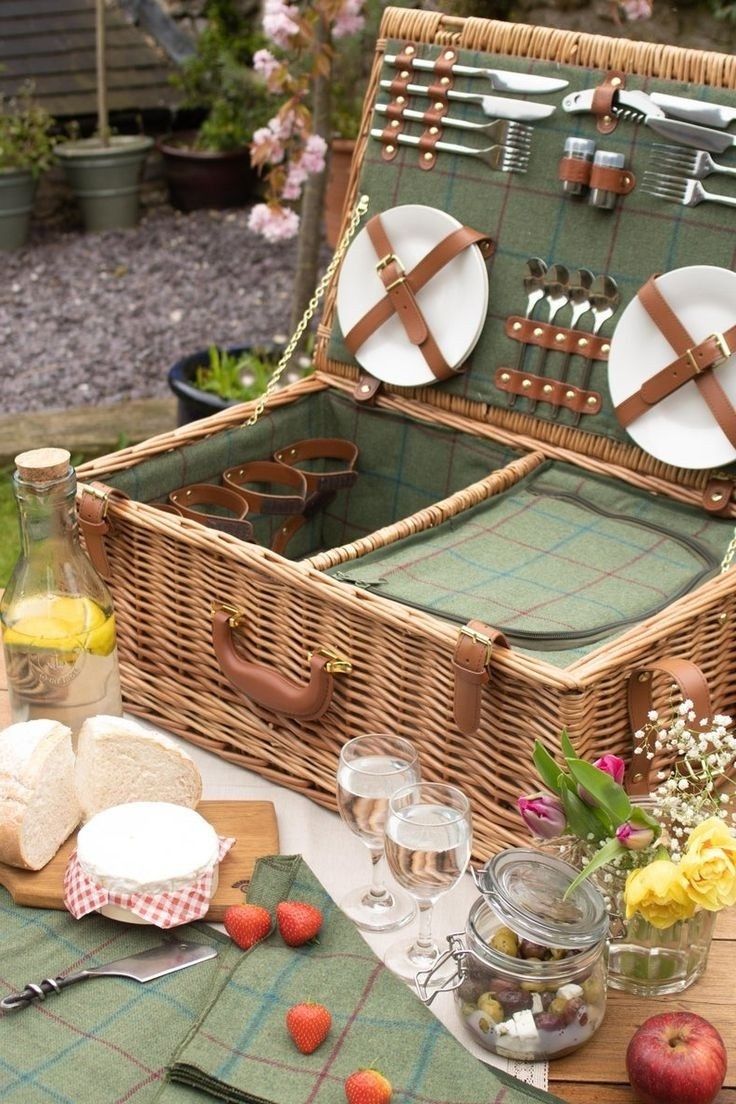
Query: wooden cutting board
(253, 823)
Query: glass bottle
(58, 625)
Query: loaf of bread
(120, 761)
(38, 801)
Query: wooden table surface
(597, 1073)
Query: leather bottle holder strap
(207, 494)
(269, 688)
(471, 662)
(692, 684)
(268, 472)
(401, 289)
(322, 448)
(92, 511)
(695, 361)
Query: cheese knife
(498, 107)
(695, 111)
(164, 959)
(501, 79)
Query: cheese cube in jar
(531, 962)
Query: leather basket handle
(304, 701)
(692, 684)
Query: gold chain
(730, 552)
(358, 211)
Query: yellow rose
(709, 865)
(659, 893)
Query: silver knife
(688, 134)
(164, 959)
(498, 107)
(501, 79)
(695, 111)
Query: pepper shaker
(602, 197)
(577, 149)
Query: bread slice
(38, 802)
(120, 761)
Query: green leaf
(581, 819)
(547, 768)
(567, 749)
(601, 857)
(602, 788)
(642, 819)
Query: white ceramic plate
(454, 302)
(680, 430)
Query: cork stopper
(43, 465)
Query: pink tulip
(612, 765)
(634, 837)
(543, 815)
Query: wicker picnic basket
(379, 663)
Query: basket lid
(527, 890)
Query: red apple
(676, 1058)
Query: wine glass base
(377, 914)
(404, 959)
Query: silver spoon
(533, 281)
(604, 300)
(556, 283)
(580, 284)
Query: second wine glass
(371, 769)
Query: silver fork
(678, 161)
(689, 193)
(501, 158)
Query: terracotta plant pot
(338, 177)
(206, 178)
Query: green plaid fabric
(239, 1050)
(104, 1041)
(404, 465)
(560, 555)
(527, 215)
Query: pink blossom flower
(280, 22)
(275, 224)
(294, 180)
(634, 10)
(543, 815)
(312, 159)
(349, 19)
(265, 63)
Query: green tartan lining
(527, 215)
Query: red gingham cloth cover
(165, 910)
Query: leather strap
(619, 181)
(207, 494)
(391, 274)
(471, 661)
(92, 505)
(692, 683)
(717, 495)
(399, 85)
(558, 337)
(366, 388)
(268, 472)
(603, 97)
(322, 448)
(442, 253)
(694, 362)
(544, 389)
(574, 169)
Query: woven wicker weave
(167, 572)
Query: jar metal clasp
(457, 952)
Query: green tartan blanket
(239, 1049)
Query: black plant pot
(193, 403)
(206, 178)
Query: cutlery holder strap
(560, 338)
(694, 362)
(603, 100)
(693, 687)
(543, 389)
(402, 287)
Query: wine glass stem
(424, 942)
(378, 889)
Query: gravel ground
(97, 318)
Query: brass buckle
(103, 496)
(384, 262)
(482, 639)
(722, 347)
(235, 615)
(337, 664)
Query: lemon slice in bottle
(64, 623)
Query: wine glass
(428, 842)
(371, 769)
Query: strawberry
(367, 1086)
(247, 924)
(308, 1024)
(297, 922)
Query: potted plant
(26, 149)
(210, 167)
(211, 379)
(105, 170)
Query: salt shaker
(600, 197)
(577, 149)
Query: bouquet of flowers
(676, 849)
